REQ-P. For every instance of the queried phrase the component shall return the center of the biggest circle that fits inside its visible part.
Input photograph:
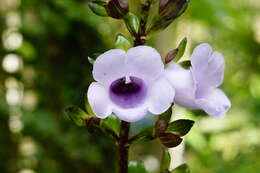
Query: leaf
(181, 49)
(181, 169)
(180, 127)
(88, 108)
(77, 115)
(170, 140)
(122, 43)
(113, 123)
(136, 167)
(166, 115)
(165, 163)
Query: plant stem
(123, 147)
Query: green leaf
(132, 22)
(122, 43)
(165, 163)
(166, 115)
(170, 140)
(180, 127)
(181, 169)
(113, 123)
(136, 167)
(98, 8)
(181, 49)
(77, 115)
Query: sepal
(122, 43)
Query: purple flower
(130, 84)
(197, 87)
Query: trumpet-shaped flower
(197, 87)
(129, 84)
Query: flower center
(128, 92)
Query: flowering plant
(132, 84)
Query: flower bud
(117, 8)
(168, 11)
(176, 54)
(132, 22)
(98, 8)
(171, 9)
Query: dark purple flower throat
(128, 93)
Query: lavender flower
(130, 84)
(197, 87)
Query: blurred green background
(44, 68)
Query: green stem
(123, 147)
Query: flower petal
(182, 81)
(98, 100)
(201, 55)
(160, 95)
(144, 62)
(210, 75)
(109, 66)
(214, 103)
(131, 115)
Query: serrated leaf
(181, 169)
(122, 43)
(181, 49)
(113, 123)
(180, 127)
(170, 140)
(165, 163)
(136, 167)
(77, 115)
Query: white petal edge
(109, 66)
(183, 83)
(98, 100)
(201, 55)
(214, 103)
(144, 62)
(131, 115)
(160, 95)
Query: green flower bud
(132, 23)
(98, 8)
(171, 9)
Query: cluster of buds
(138, 24)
